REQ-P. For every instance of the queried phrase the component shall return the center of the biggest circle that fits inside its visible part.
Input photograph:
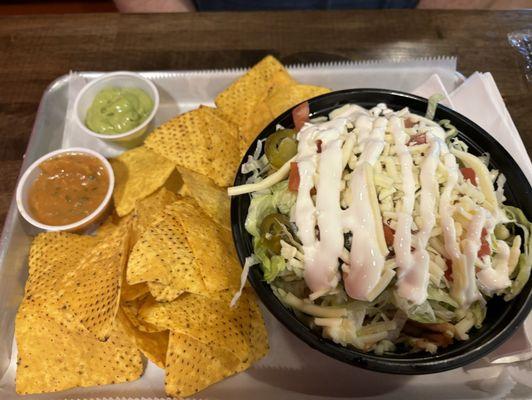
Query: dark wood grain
(34, 50)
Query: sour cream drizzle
(321, 256)
(413, 284)
(495, 276)
(464, 288)
(366, 258)
(402, 244)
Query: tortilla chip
(252, 127)
(133, 292)
(164, 292)
(210, 197)
(54, 356)
(238, 101)
(219, 266)
(132, 310)
(138, 173)
(258, 335)
(211, 321)
(52, 256)
(152, 344)
(91, 291)
(201, 141)
(163, 255)
(243, 101)
(149, 210)
(191, 365)
(284, 97)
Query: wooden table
(34, 50)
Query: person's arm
(154, 6)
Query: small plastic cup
(120, 79)
(33, 172)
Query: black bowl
(502, 318)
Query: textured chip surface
(152, 344)
(162, 255)
(91, 290)
(284, 97)
(201, 141)
(217, 263)
(192, 365)
(209, 196)
(138, 173)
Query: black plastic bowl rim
(502, 319)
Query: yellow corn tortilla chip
(258, 335)
(54, 356)
(91, 291)
(210, 197)
(152, 344)
(201, 141)
(243, 101)
(238, 101)
(253, 126)
(219, 266)
(284, 97)
(163, 255)
(52, 256)
(211, 321)
(191, 365)
(138, 173)
(131, 310)
(133, 292)
(149, 210)
(164, 292)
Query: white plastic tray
(291, 370)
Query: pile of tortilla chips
(156, 279)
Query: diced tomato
(409, 123)
(449, 270)
(469, 174)
(389, 235)
(300, 115)
(484, 245)
(293, 177)
(318, 145)
(417, 139)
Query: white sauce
(495, 276)
(366, 260)
(414, 283)
(465, 287)
(408, 285)
(321, 256)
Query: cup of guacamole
(116, 107)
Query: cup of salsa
(116, 107)
(66, 190)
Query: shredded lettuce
(450, 130)
(433, 105)
(525, 259)
(250, 261)
(270, 266)
(441, 296)
(283, 198)
(478, 310)
(260, 206)
(278, 197)
(421, 313)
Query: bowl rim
(407, 366)
(55, 228)
(123, 135)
